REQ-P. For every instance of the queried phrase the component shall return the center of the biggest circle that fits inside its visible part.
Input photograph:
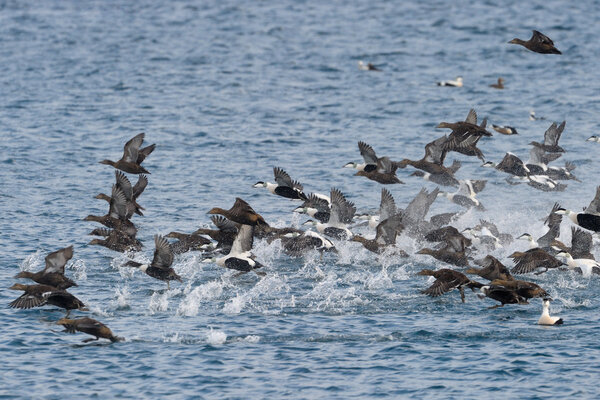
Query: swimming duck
(584, 266)
(538, 43)
(39, 295)
(316, 207)
(458, 82)
(503, 295)
(492, 269)
(367, 67)
(505, 130)
(53, 273)
(387, 230)
(546, 319)
(593, 139)
(342, 212)
(499, 85)
(446, 280)
(89, 326)
(132, 156)
(532, 260)
(241, 212)
(160, 267)
(186, 242)
(115, 240)
(240, 257)
(551, 138)
(284, 186)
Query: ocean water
(228, 90)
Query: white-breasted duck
(240, 257)
(593, 139)
(465, 195)
(545, 318)
(284, 186)
(342, 213)
(588, 219)
(457, 82)
(367, 67)
(505, 129)
(584, 266)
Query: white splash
(190, 305)
(215, 337)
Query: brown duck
(241, 212)
(89, 326)
(538, 43)
(524, 289)
(39, 295)
(492, 269)
(499, 85)
(131, 193)
(186, 242)
(53, 273)
(115, 240)
(132, 156)
(446, 280)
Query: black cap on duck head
(259, 184)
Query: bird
(527, 290)
(589, 221)
(584, 266)
(545, 318)
(131, 193)
(446, 280)
(387, 230)
(296, 244)
(532, 260)
(342, 212)
(240, 257)
(115, 240)
(551, 138)
(447, 255)
(224, 234)
(367, 67)
(539, 43)
(53, 273)
(315, 207)
(445, 178)
(499, 85)
(284, 186)
(387, 208)
(465, 195)
(553, 221)
(502, 294)
(379, 169)
(39, 295)
(492, 269)
(133, 156)
(450, 238)
(186, 242)
(160, 267)
(511, 164)
(505, 130)
(533, 117)
(581, 244)
(240, 212)
(458, 82)
(89, 326)
(465, 135)
(593, 139)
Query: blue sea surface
(227, 90)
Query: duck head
(260, 184)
